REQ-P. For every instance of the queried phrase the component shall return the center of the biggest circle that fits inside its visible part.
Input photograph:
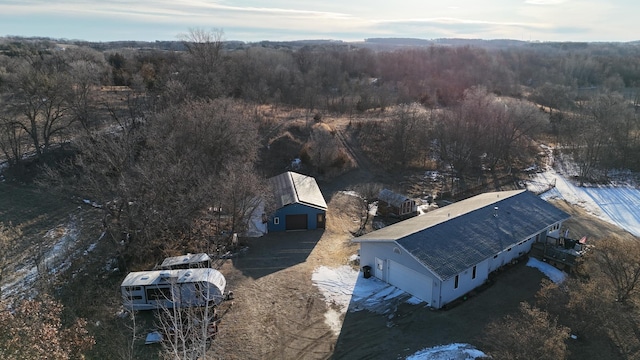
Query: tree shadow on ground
(276, 251)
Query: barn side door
(320, 221)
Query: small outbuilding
(442, 255)
(156, 289)
(299, 203)
(394, 204)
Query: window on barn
(276, 220)
(473, 273)
(455, 285)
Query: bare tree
(368, 195)
(530, 334)
(600, 127)
(188, 329)
(204, 73)
(511, 124)
(406, 130)
(39, 101)
(619, 261)
(455, 140)
(323, 148)
(85, 77)
(241, 192)
(12, 139)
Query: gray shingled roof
(454, 238)
(392, 198)
(290, 188)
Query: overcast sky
(350, 20)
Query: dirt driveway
(277, 312)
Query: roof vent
(495, 211)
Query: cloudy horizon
(356, 20)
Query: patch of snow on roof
(556, 275)
(455, 351)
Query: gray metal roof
(290, 188)
(392, 198)
(454, 238)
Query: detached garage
(299, 202)
(443, 254)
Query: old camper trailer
(148, 290)
(188, 261)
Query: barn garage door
(296, 222)
(410, 281)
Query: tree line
(49, 93)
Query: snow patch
(54, 261)
(337, 285)
(455, 351)
(92, 203)
(334, 319)
(344, 289)
(350, 193)
(90, 249)
(556, 275)
(618, 203)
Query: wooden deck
(557, 255)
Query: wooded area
(174, 145)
